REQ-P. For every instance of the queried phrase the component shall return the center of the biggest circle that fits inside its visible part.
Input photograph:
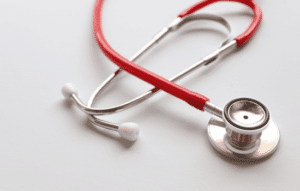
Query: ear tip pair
(129, 131)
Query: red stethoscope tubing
(192, 98)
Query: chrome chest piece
(245, 131)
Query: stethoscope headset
(242, 130)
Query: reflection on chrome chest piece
(264, 147)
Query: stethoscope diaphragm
(246, 130)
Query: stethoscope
(242, 130)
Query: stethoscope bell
(245, 132)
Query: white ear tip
(129, 131)
(68, 90)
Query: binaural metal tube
(177, 23)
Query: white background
(47, 143)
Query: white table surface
(47, 143)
